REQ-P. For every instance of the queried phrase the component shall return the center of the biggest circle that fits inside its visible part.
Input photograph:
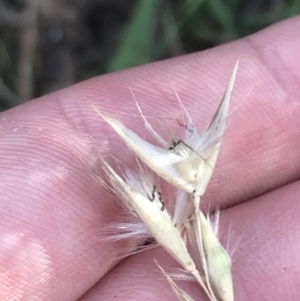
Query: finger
(265, 261)
(53, 208)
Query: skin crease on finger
(53, 207)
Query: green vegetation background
(47, 47)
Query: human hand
(53, 209)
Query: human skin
(53, 207)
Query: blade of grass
(182, 13)
(190, 7)
(222, 13)
(136, 45)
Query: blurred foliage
(137, 43)
(71, 40)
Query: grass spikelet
(158, 222)
(188, 165)
(218, 262)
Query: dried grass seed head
(189, 163)
(159, 223)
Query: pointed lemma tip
(96, 109)
(237, 62)
(229, 89)
(111, 121)
(234, 72)
(227, 96)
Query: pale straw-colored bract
(187, 164)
